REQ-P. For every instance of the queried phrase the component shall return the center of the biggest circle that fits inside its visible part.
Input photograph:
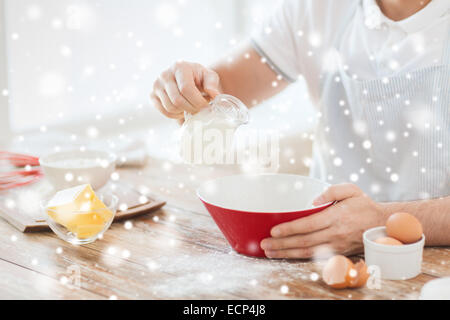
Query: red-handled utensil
(30, 173)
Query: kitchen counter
(176, 252)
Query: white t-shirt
(318, 38)
(296, 40)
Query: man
(378, 72)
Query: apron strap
(339, 33)
(446, 55)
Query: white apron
(389, 136)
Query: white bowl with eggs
(68, 169)
(395, 262)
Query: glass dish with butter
(78, 216)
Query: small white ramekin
(394, 262)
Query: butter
(80, 211)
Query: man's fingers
(312, 223)
(175, 95)
(185, 87)
(297, 241)
(167, 104)
(338, 192)
(297, 253)
(211, 83)
(158, 105)
(186, 84)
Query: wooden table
(175, 253)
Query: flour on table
(208, 273)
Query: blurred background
(85, 68)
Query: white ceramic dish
(71, 168)
(395, 262)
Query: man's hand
(183, 87)
(189, 86)
(339, 227)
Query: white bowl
(394, 262)
(71, 168)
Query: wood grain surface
(176, 252)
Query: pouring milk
(207, 137)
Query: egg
(362, 275)
(340, 272)
(388, 241)
(404, 227)
(336, 272)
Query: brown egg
(362, 275)
(388, 241)
(336, 272)
(404, 227)
(340, 272)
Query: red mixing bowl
(246, 207)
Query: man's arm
(186, 86)
(433, 214)
(247, 76)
